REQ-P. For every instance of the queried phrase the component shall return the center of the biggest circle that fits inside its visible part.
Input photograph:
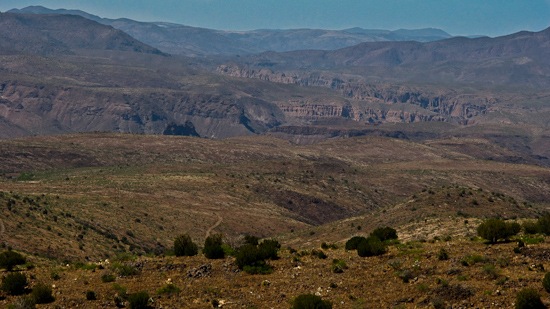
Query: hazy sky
(458, 17)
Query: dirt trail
(209, 231)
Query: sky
(457, 17)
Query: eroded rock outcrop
(431, 105)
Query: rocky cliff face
(43, 109)
(372, 103)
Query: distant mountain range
(515, 59)
(192, 41)
(63, 73)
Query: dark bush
(384, 233)
(184, 246)
(353, 242)
(14, 283)
(546, 282)
(442, 255)
(42, 294)
(248, 255)
(371, 246)
(139, 300)
(310, 301)
(91, 295)
(528, 299)
(319, 253)
(269, 248)
(9, 259)
(544, 224)
(252, 258)
(213, 247)
(251, 240)
(531, 227)
(495, 229)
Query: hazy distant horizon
(465, 17)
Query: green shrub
(353, 242)
(169, 289)
(528, 299)
(108, 278)
(9, 259)
(125, 270)
(546, 282)
(14, 283)
(42, 294)
(371, 246)
(384, 233)
(184, 246)
(310, 301)
(91, 295)
(213, 247)
(495, 229)
(139, 300)
(260, 269)
(338, 266)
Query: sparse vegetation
(139, 300)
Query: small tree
(14, 283)
(310, 301)
(495, 229)
(371, 246)
(9, 259)
(184, 246)
(213, 247)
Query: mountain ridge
(58, 34)
(195, 41)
